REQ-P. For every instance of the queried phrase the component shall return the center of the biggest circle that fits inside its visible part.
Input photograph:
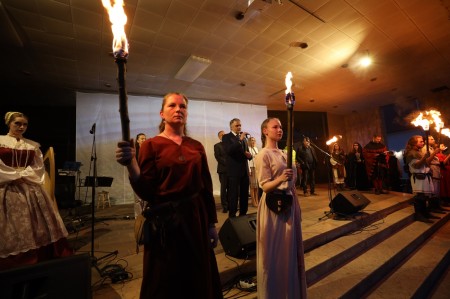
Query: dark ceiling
(59, 46)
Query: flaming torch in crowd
(290, 101)
(438, 122)
(425, 124)
(446, 132)
(430, 117)
(118, 19)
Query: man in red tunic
(375, 155)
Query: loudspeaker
(238, 236)
(65, 191)
(348, 202)
(65, 277)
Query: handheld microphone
(246, 134)
(92, 131)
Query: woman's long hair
(359, 150)
(137, 146)
(412, 142)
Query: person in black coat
(356, 169)
(307, 158)
(236, 148)
(221, 157)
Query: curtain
(205, 119)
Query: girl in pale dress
(31, 229)
(251, 171)
(280, 264)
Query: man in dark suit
(307, 158)
(221, 157)
(236, 148)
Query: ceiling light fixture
(366, 61)
(193, 68)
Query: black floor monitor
(68, 278)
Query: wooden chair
(103, 198)
(50, 174)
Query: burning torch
(118, 19)
(439, 124)
(426, 128)
(425, 124)
(432, 116)
(290, 101)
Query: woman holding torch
(418, 163)
(172, 175)
(278, 233)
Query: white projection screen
(205, 119)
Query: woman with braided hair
(31, 229)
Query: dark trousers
(223, 190)
(308, 177)
(238, 192)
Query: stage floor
(113, 231)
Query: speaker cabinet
(348, 202)
(65, 191)
(66, 277)
(238, 236)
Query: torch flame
(432, 116)
(446, 132)
(436, 119)
(118, 20)
(332, 140)
(421, 121)
(288, 82)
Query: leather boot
(418, 212)
(421, 218)
(430, 216)
(434, 206)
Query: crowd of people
(169, 174)
(362, 168)
(373, 167)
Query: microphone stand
(94, 259)
(330, 196)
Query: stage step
(379, 252)
(428, 264)
(356, 278)
(331, 229)
(333, 255)
(443, 289)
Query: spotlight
(366, 61)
